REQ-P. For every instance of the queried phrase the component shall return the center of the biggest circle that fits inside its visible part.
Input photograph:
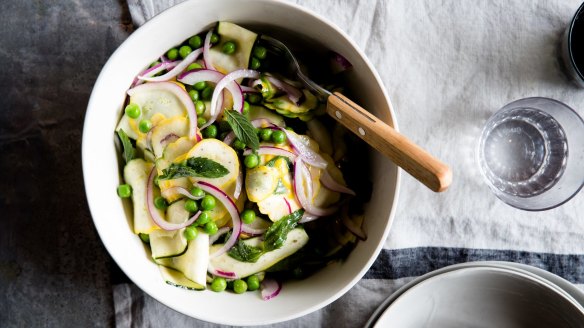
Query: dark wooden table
(54, 270)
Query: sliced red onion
(301, 175)
(352, 227)
(248, 230)
(179, 190)
(270, 288)
(178, 92)
(330, 183)
(229, 138)
(199, 75)
(339, 63)
(288, 205)
(293, 94)
(231, 209)
(272, 150)
(177, 69)
(306, 217)
(149, 140)
(153, 71)
(159, 220)
(206, 48)
(220, 273)
(238, 184)
(229, 83)
(169, 138)
(214, 237)
(308, 155)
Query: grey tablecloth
(447, 65)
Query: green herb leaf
(243, 129)
(245, 253)
(195, 167)
(278, 231)
(129, 151)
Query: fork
(403, 152)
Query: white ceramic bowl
(483, 296)
(101, 168)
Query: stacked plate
(483, 294)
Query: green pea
(124, 190)
(191, 206)
(194, 94)
(201, 121)
(253, 282)
(172, 54)
(278, 137)
(219, 284)
(214, 38)
(245, 107)
(133, 110)
(210, 131)
(145, 237)
(248, 216)
(238, 144)
(195, 42)
(203, 218)
(239, 286)
(207, 93)
(255, 63)
(254, 98)
(194, 66)
(266, 134)
(160, 203)
(229, 47)
(260, 52)
(200, 85)
(251, 161)
(144, 126)
(208, 203)
(211, 227)
(184, 51)
(197, 192)
(200, 107)
(190, 233)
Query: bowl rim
(579, 12)
(392, 122)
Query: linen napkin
(447, 65)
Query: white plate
(466, 294)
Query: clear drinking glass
(531, 153)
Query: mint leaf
(243, 129)
(245, 253)
(129, 151)
(195, 167)
(278, 231)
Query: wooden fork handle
(403, 152)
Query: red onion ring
(272, 150)
(180, 190)
(252, 231)
(153, 71)
(301, 175)
(229, 82)
(306, 217)
(177, 69)
(206, 54)
(352, 227)
(293, 94)
(159, 220)
(231, 209)
(220, 273)
(308, 155)
(270, 288)
(246, 89)
(288, 205)
(330, 183)
(178, 92)
(195, 76)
